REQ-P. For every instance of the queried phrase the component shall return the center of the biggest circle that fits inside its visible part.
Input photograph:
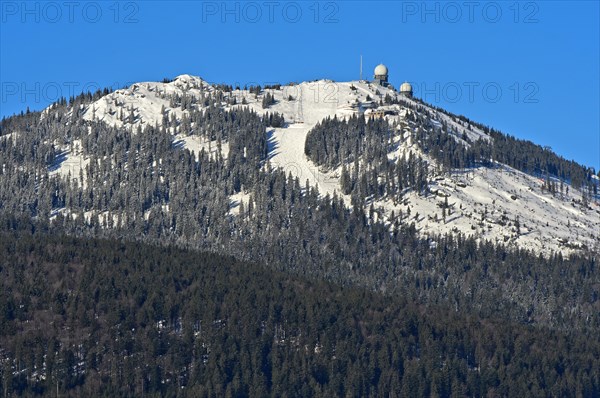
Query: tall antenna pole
(361, 67)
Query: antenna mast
(361, 67)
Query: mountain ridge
(378, 194)
(501, 191)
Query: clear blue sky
(530, 69)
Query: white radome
(405, 87)
(381, 69)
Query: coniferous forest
(100, 317)
(134, 277)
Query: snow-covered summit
(146, 101)
(500, 203)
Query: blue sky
(530, 69)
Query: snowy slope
(485, 202)
(146, 99)
(148, 102)
(546, 223)
(71, 162)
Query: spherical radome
(405, 87)
(381, 69)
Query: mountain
(350, 182)
(534, 209)
(317, 239)
(321, 177)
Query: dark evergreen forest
(99, 317)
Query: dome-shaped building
(406, 89)
(381, 75)
(381, 70)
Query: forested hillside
(433, 288)
(99, 317)
(139, 181)
(530, 157)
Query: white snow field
(500, 204)
(71, 163)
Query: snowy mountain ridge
(498, 203)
